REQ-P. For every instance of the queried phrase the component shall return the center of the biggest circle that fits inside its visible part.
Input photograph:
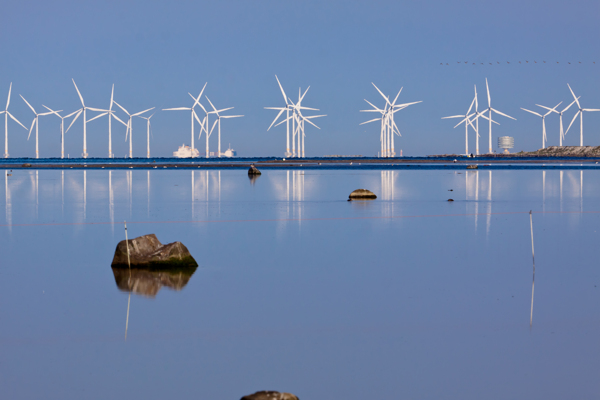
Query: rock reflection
(148, 283)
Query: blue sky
(156, 52)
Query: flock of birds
(520, 62)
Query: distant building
(186, 152)
(506, 142)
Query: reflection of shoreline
(148, 283)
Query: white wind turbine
(129, 130)
(193, 115)
(560, 114)
(148, 131)
(62, 128)
(85, 120)
(467, 121)
(6, 115)
(218, 121)
(287, 109)
(579, 114)
(490, 109)
(37, 125)
(111, 115)
(388, 125)
(543, 116)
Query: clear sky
(155, 52)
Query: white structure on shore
(186, 152)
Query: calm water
(299, 290)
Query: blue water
(299, 290)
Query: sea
(493, 295)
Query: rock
(472, 167)
(362, 194)
(26, 165)
(270, 395)
(253, 171)
(450, 199)
(146, 252)
(148, 283)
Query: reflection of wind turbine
(490, 109)
(148, 131)
(543, 116)
(37, 125)
(129, 130)
(215, 111)
(62, 128)
(533, 257)
(6, 115)
(580, 114)
(193, 115)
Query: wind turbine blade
(471, 106)
(96, 117)
(396, 98)
(213, 127)
(74, 119)
(212, 105)
(231, 116)
(488, 93)
(591, 109)
(142, 112)
(533, 112)
(225, 109)
(202, 91)
(408, 104)
(97, 109)
(282, 92)
(48, 113)
(372, 120)
(315, 116)
(198, 119)
(576, 98)
(281, 122)
(118, 119)
(76, 88)
(122, 108)
(310, 122)
(73, 113)
(463, 121)
(301, 98)
(569, 106)
(371, 104)
(276, 118)
(51, 110)
(504, 115)
(16, 120)
(276, 108)
(175, 109)
(482, 115)
(8, 100)
(30, 129)
(28, 104)
(454, 116)
(112, 95)
(382, 95)
(573, 120)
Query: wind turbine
(111, 115)
(193, 115)
(490, 109)
(129, 130)
(560, 113)
(580, 114)
(85, 120)
(148, 131)
(467, 121)
(6, 115)
(62, 128)
(281, 110)
(218, 120)
(544, 139)
(37, 125)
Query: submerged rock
(270, 395)
(253, 171)
(26, 165)
(146, 252)
(148, 283)
(362, 194)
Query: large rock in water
(253, 171)
(362, 194)
(147, 252)
(270, 395)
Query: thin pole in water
(533, 258)
(129, 265)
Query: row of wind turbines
(204, 122)
(471, 118)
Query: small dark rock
(362, 194)
(450, 199)
(253, 171)
(26, 165)
(451, 190)
(146, 252)
(270, 395)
